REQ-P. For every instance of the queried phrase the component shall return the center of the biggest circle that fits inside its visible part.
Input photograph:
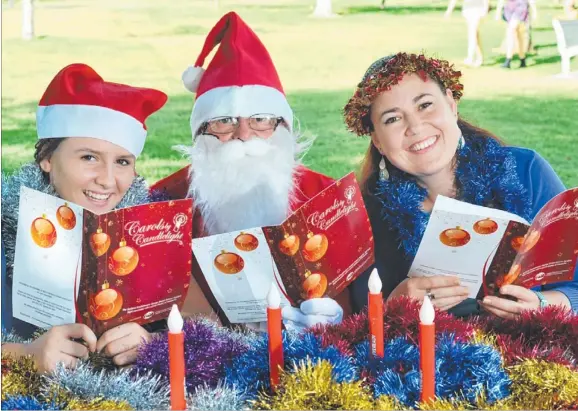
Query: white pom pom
(192, 77)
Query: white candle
(273, 297)
(175, 320)
(427, 312)
(374, 282)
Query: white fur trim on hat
(238, 101)
(76, 120)
(192, 77)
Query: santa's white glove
(312, 312)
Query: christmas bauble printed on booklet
(229, 263)
(487, 226)
(315, 247)
(123, 260)
(530, 240)
(246, 242)
(289, 245)
(106, 304)
(99, 242)
(517, 242)
(43, 232)
(510, 277)
(315, 285)
(455, 237)
(66, 217)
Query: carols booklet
(316, 252)
(488, 248)
(71, 265)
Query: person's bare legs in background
(474, 57)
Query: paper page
(443, 203)
(239, 269)
(47, 258)
(458, 244)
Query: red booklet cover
(128, 265)
(543, 253)
(316, 252)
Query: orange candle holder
(375, 312)
(427, 356)
(275, 335)
(177, 360)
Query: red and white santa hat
(240, 80)
(79, 103)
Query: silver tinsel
(221, 397)
(142, 392)
(11, 337)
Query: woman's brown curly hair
(44, 149)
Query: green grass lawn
(150, 43)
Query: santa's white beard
(239, 185)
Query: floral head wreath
(387, 72)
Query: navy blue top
(542, 183)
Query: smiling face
(92, 173)
(415, 126)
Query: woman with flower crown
(420, 148)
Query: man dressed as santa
(245, 160)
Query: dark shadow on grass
(546, 60)
(545, 124)
(545, 28)
(399, 10)
(545, 46)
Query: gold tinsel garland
(67, 401)
(387, 402)
(19, 377)
(96, 404)
(481, 403)
(311, 387)
(541, 385)
(479, 337)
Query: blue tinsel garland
(463, 371)
(485, 175)
(21, 402)
(249, 372)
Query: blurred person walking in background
(473, 11)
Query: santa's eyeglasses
(228, 125)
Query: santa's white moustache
(242, 165)
(238, 185)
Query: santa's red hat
(79, 103)
(241, 79)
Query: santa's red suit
(200, 300)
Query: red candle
(274, 326)
(427, 356)
(375, 313)
(177, 359)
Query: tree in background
(323, 9)
(27, 19)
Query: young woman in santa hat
(421, 148)
(90, 133)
